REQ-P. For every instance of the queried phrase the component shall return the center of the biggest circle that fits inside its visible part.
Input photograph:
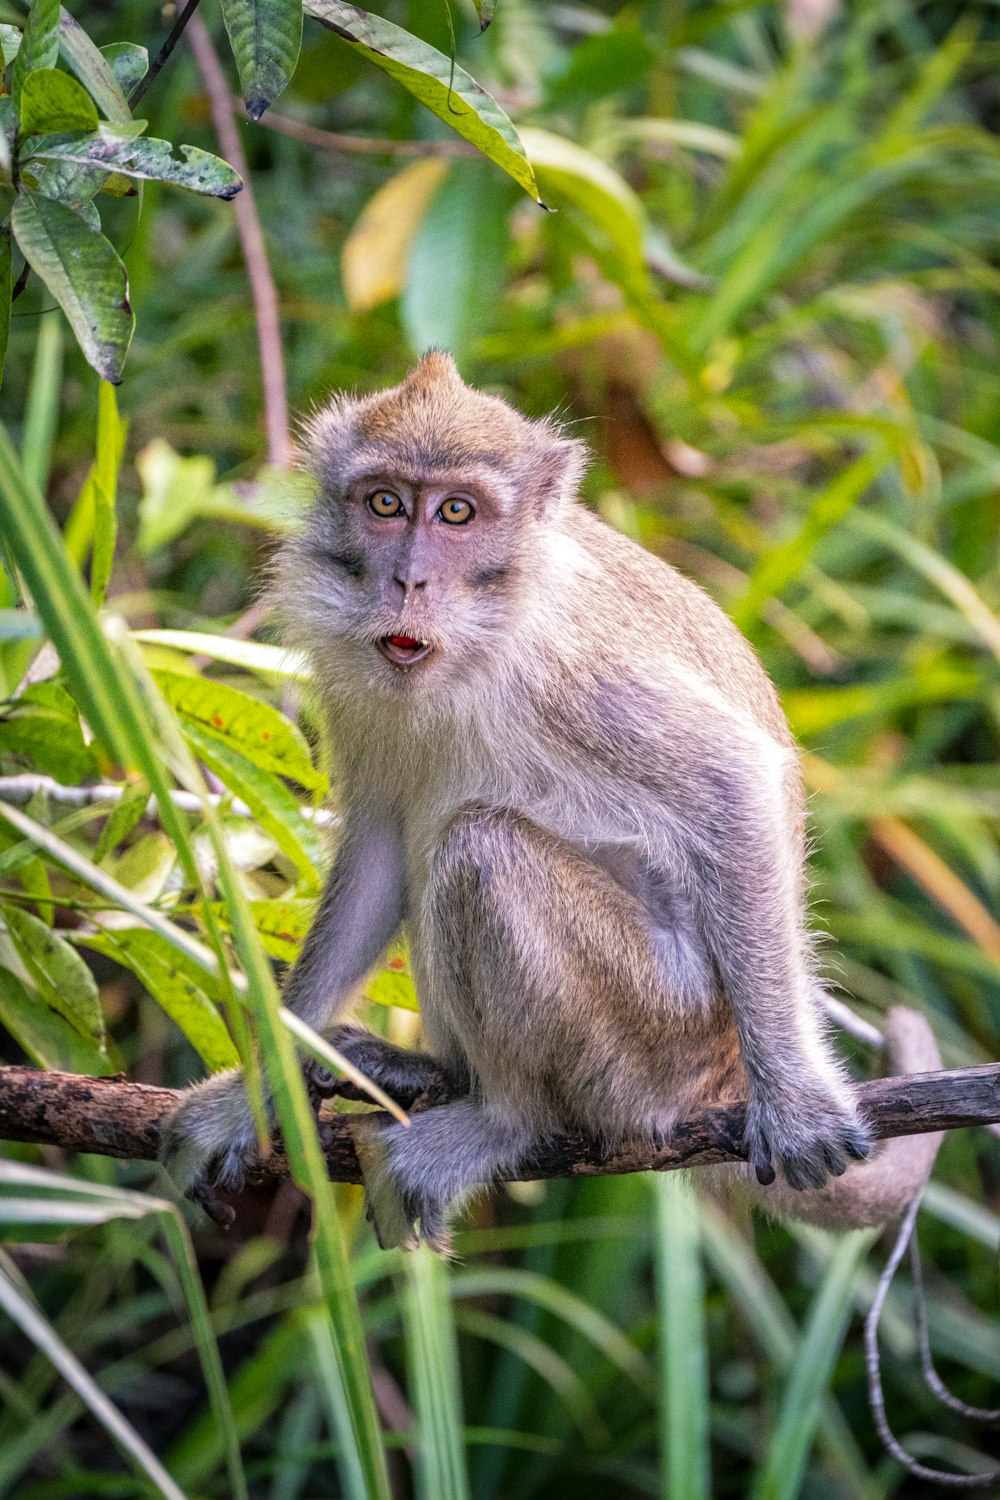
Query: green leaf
(175, 491)
(62, 977)
(117, 149)
(282, 925)
(266, 795)
(39, 44)
(122, 818)
(84, 274)
(104, 482)
(93, 70)
(52, 101)
(573, 175)
(601, 65)
(47, 1039)
(41, 732)
(436, 81)
(176, 984)
(393, 983)
(458, 253)
(5, 292)
(129, 63)
(10, 42)
(255, 729)
(265, 36)
(485, 10)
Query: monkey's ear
(556, 472)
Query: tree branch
(114, 1118)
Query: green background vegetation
(769, 299)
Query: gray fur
(585, 805)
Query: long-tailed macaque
(566, 774)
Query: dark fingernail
(765, 1175)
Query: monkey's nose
(411, 586)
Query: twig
(361, 145)
(262, 288)
(114, 1118)
(176, 32)
(17, 791)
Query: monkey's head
(433, 503)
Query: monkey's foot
(400, 1219)
(404, 1076)
(811, 1136)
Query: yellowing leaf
(375, 254)
(393, 983)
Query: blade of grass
(684, 1400)
(434, 1383)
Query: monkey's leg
(404, 1075)
(551, 979)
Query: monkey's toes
(203, 1193)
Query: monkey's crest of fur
(433, 423)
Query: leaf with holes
(435, 80)
(84, 274)
(115, 148)
(265, 36)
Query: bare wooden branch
(114, 1118)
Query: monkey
(567, 775)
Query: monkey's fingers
(202, 1193)
(385, 1207)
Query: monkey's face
(413, 576)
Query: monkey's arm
(363, 903)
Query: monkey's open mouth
(404, 650)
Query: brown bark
(114, 1118)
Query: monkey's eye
(385, 503)
(456, 512)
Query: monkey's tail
(876, 1190)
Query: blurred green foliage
(768, 297)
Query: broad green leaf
(392, 984)
(436, 81)
(117, 149)
(62, 977)
(282, 925)
(122, 818)
(374, 257)
(255, 729)
(52, 101)
(457, 260)
(178, 987)
(570, 174)
(272, 803)
(39, 44)
(41, 731)
(84, 274)
(10, 41)
(93, 70)
(485, 10)
(5, 291)
(265, 36)
(47, 1039)
(129, 63)
(145, 866)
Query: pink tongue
(404, 642)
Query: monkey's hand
(811, 1130)
(208, 1140)
(405, 1076)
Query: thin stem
(176, 32)
(262, 288)
(362, 145)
